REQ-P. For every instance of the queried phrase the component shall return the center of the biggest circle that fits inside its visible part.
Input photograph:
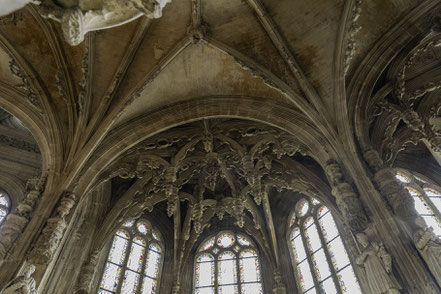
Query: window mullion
(239, 284)
(144, 264)
(309, 259)
(431, 205)
(328, 255)
(124, 265)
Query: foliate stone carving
(77, 21)
(31, 93)
(377, 264)
(347, 200)
(23, 284)
(354, 28)
(86, 274)
(429, 246)
(17, 220)
(52, 233)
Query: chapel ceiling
(80, 97)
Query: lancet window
(5, 205)
(320, 260)
(427, 197)
(227, 263)
(134, 260)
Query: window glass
(319, 255)
(133, 261)
(227, 263)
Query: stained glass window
(4, 206)
(427, 198)
(227, 263)
(319, 256)
(134, 260)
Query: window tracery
(427, 197)
(4, 206)
(319, 257)
(227, 263)
(134, 260)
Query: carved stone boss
(79, 17)
(50, 238)
(17, 221)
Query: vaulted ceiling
(305, 66)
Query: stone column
(16, 221)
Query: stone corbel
(50, 238)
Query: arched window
(227, 263)
(134, 260)
(5, 205)
(319, 256)
(427, 198)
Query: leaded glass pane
(148, 286)
(253, 288)
(328, 286)
(152, 263)
(248, 253)
(205, 273)
(225, 240)
(118, 250)
(348, 281)
(155, 247)
(230, 289)
(338, 253)
(208, 290)
(435, 197)
(402, 178)
(3, 214)
(321, 264)
(208, 244)
(305, 275)
(109, 280)
(244, 241)
(249, 269)
(227, 268)
(130, 282)
(4, 200)
(302, 207)
(298, 248)
(142, 227)
(136, 257)
(128, 224)
(312, 236)
(328, 226)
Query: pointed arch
(318, 253)
(134, 260)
